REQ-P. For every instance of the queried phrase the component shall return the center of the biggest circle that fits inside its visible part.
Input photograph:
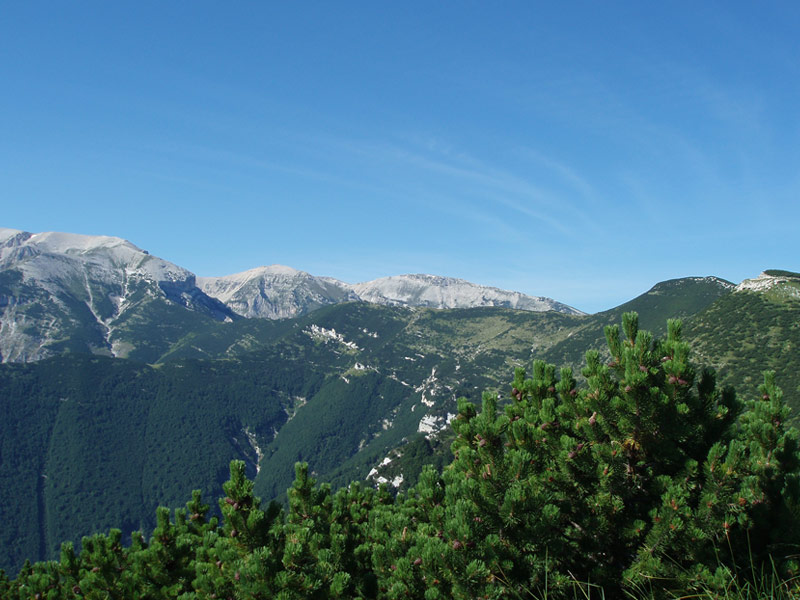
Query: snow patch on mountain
(374, 471)
(428, 387)
(251, 438)
(378, 479)
(719, 281)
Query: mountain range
(127, 381)
(100, 292)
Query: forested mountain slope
(339, 388)
(753, 329)
(647, 482)
(64, 292)
(739, 330)
(675, 298)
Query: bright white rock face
(50, 249)
(66, 291)
(56, 286)
(275, 292)
(433, 291)
(776, 284)
(62, 291)
(761, 283)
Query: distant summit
(67, 292)
(433, 291)
(769, 279)
(63, 292)
(278, 292)
(275, 292)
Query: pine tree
(104, 570)
(408, 542)
(641, 476)
(241, 558)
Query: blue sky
(582, 151)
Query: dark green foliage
(129, 437)
(781, 273)
(639, 477)
(746, 333)
(90, 458)
(329, 439)
(673, 299)
(26, 428)
(89, 443)
(649, 477)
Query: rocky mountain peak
(275, 292)
(57, 288)
(435, 291)
(767, 280)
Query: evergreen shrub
(644, 480)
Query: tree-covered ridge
(89, 443)
(739, 334)
(648, 477)
(270, 393)
(782, 273)
(745, 333)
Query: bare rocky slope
(104, 295)
(276, 292)
(63, 291)
(433, 291)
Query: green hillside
(90, 443)
(342, 389)
(747, 332)
(740, 334)
(676, 298)
(648, 482)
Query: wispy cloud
(566, 173)
(430, 161)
